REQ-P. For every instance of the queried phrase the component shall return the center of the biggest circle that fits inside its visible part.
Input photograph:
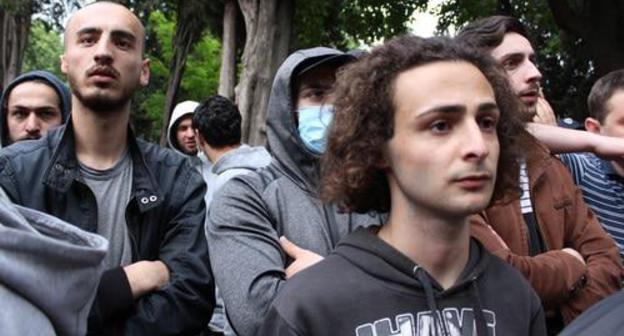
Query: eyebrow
(115, 33)
(36, 108)
(517, 55)
(88, 30)
(456, 109)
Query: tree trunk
(599, 26)
(178, 64)
(227, 77)
(14, 30)
(191, 22)
(268, 24)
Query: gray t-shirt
(112, 188)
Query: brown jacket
(560, 280)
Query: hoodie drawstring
(431, 303)
(478, 311)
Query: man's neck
(214, 154)
(440, 246)
(101, 138)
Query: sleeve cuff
(114, 293)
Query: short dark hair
(488, 33)
(364, 120)
(602, 91)
(218, 121)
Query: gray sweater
(250, 212)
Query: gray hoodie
(238, 161)
(61, 90)
(250, 212)
(49, 272)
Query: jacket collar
(64, 168)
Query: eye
(19, 114)
(488, 124)
(87, 40)
(440, 127)
(316, 93)
(46, 114)
(511, 63)
(124, 44)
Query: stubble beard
(100, 102)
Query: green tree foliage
(201, 78)
(566, 67)
(43, 50)
(348, 23)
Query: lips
(529, 96)
(474, 182)
(103, 72)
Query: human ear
(592, 125)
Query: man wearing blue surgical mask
(314, 105)
(252, 214)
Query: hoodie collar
(379, 259)
(64, 168)
(365, 249)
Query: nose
(189, 133)
(33, 126)
(103, 53)
(475, 143)
(532, 72)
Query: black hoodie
(368, 288)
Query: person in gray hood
(49, 272)
(31, 104)
(249, 214)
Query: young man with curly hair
(548, 234)
(422, 126)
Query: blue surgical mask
(313, 124)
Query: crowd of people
(420, 188)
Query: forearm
(146, 276)
(562, 140)
(601, 254)
(552, 274)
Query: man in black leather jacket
(93, 173)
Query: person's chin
(190, 152)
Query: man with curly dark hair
(422, 127)
(548, 234)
